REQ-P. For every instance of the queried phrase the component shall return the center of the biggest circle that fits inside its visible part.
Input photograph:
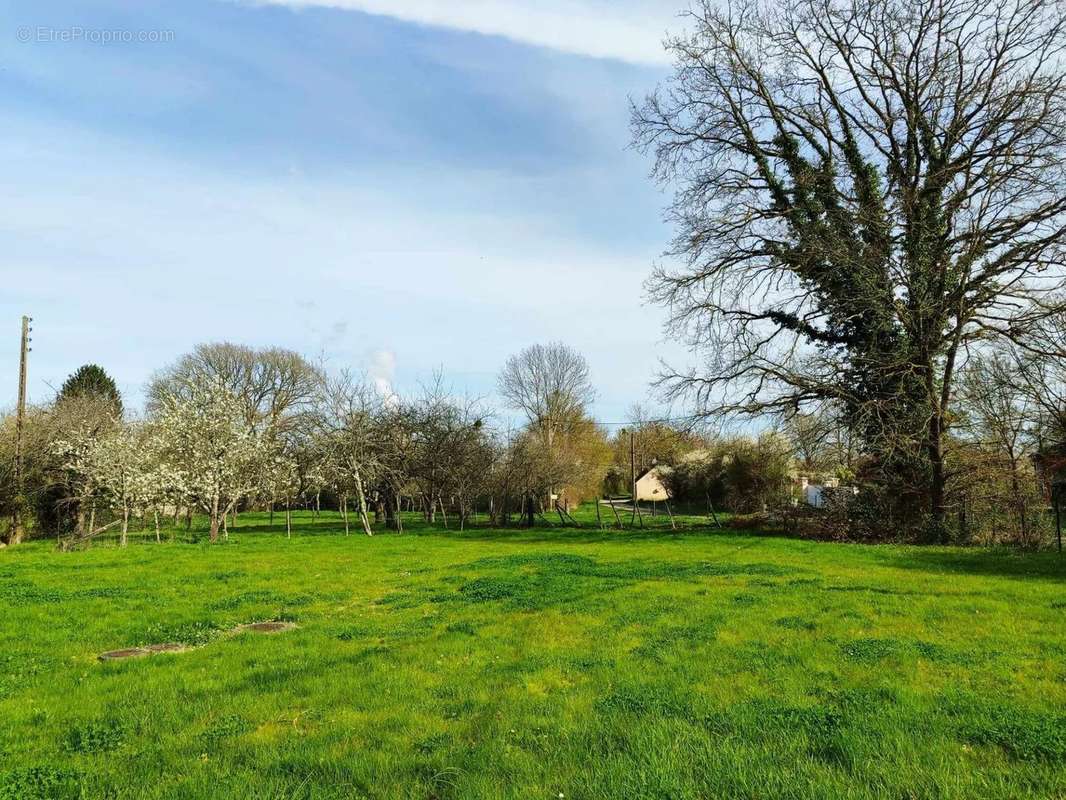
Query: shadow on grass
(517, 535)
(584, 535)
(542, 532)
(974, 561)
(321, 528)
(1004, 562)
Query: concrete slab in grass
(140, 652)
(274, 626)
(266, 627)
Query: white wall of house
(813, 495)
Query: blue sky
(393, 185)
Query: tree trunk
(155, 513)
(288, 520)
(937, 480)
(361, 497)
(81, 515)
(389, 503)
(214, 519)
(125, 526)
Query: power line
(661, 420)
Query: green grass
(532, 664)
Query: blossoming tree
(216, 454)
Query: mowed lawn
(532, 664)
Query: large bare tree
(275, 386)
(865, 190)
(549, 383)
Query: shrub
(757, 474)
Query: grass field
(532, 664)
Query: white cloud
(381, 371)
(627, 30)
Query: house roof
(655, 471)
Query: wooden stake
(710, 508)
(1056, 493)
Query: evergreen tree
(91, 380)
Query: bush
(742, 475)
(698, 479)
(757, 474)
(752, 522)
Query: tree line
(228, 428)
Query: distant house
(650, 485)
(815, 494)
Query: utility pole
(20, 417)
(633, 467)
